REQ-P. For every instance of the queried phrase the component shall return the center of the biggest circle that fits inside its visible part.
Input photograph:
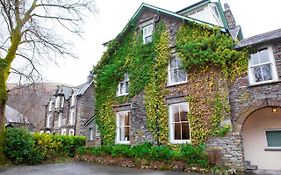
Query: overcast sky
(254, 16)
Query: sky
(254, 16)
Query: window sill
(179, 141)
(176, 84)
(273, 149)
(123, 143)
(121, 95)
(264, 83)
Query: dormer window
(176, 73)
(262, 67)
(50, 105)
(147, 33)
(123, 86)
(57, 102)
(73, 98)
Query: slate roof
(261, 38)
(13, 116)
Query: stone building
(130, 117)
(69, 108)
(255, 101)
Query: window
(63, 132)
(71, 118)
(176, 73)
(62, 102)
(57, 102)
(48, 122)
(50, 105)
(262, 67)
(91, 134)
(60, 120)
(71, 132)
(123, 127)
(123, 86)
(147, 33)
(273, 138)
(178, 123)
(73, 98)
(48, 132)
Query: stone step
(251, 167)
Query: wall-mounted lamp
(274, 109)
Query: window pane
(183, 115)
(173, 63)
(264, 56)
(185, 131)
(127, 87)
(122, 88)
(176, 117)
(182, 75)
(177, 131)
(254, 59)
(266, 72)
(273, 138)
(127, 119)
(148, 30)
(127, 134)
(257, 73)
(148, 39)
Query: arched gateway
(260, 128)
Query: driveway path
(81, 168)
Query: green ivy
(204, 51)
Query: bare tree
(28, 32)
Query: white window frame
(272, 64)
(124, 81)
(73, 99)
(50, 105)
(63, 132)
(71, 131)
(60, 120)
(91, 134)
(270, 147)
(117, 141)
(57, 102)
(145, 35)
(171, 125)
(62, 102)
(48, 132)
(170, 83)
(49, 119)
(71, 118)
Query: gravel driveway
(81, 168)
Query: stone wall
(231, 149)
(245, 98)
(85, 110)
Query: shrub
(194, 155)
(24, 147)
(141, 151)
(19, 146)
(161, 153)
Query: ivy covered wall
(210, 62)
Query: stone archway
(253, 124)
(254, 106)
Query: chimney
(229, 17)
(90, 77)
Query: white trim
(171, 126)
(62, 102)
(73, 99)
(63, 132)
(71, 132)
(57, 102)
(49, 119)
(117, 141)
(71, 118)
(272, 66)
(174, 56)
(50, 105)
(145, 35)
(124, 81)
(60, 120)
